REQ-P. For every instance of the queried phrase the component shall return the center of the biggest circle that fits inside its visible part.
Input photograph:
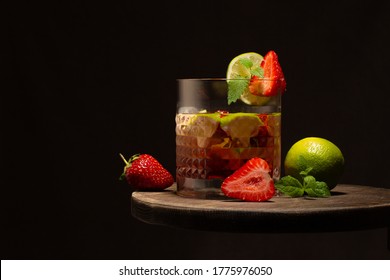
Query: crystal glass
(214, 139)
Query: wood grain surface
(351, 207)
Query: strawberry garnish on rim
(251, 182)
(273, 81)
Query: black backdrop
(85, 81)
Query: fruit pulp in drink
(211, 146)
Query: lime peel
(325, 160)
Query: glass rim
(224, 79)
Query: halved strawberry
(274, 73)
(252, 182)
(256, 86)
(273, 81)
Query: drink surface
(211, 146)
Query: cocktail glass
(214, 138)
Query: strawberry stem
(124, 159)
(123, 176)
(128, 164)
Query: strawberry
(273, 82)
(252, 182)
(144, 172)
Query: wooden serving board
(351, 207)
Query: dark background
(85, 81)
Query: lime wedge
(203, 127)
(241, 127)
(240, 67)
(251, 99)
(244, 66)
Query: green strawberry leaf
(236, 88)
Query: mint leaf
(290, 186)
(258, 71)
(290, 180)
(246, 62)
(306, 172)
(236, 88)
(313, 187)
(290, 190)
(318, 189)
(309, 181)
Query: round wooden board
(351, 207)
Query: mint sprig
(236, 88)
(246, 62)
(291, 186)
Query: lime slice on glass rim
(243, 67)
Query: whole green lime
(322, 156)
